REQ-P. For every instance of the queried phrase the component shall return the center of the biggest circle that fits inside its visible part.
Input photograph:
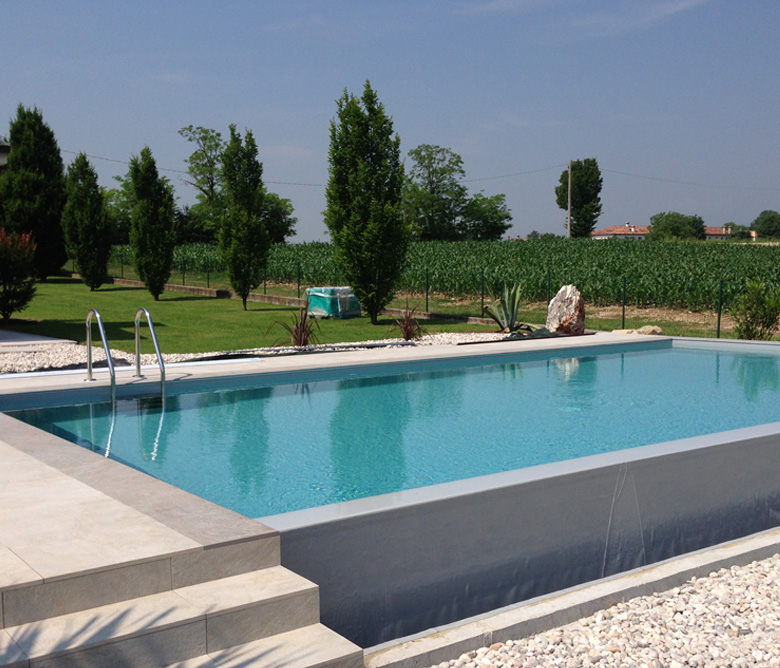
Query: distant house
(627, 231)
(630, 231)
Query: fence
(693, 306)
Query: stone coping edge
(560, 608)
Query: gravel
(58, 356)
(731, 618)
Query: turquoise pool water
(341, 435)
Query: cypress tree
(32, 189)
(86, 224)
(364, 200)
(152, 231)
(243, 238)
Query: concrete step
(314, 646)
(22, 602)
(169, 626)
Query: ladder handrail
(110, 362)
(160, 362)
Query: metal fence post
(427, 285)
(299, 279)
(623, 325)
(183, 277)
(549, 287)
(720, 307)
(265, 274)
(482, 290)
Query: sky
(678, 100)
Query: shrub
(408, 325)
(301, 330)
(757, 312)
(17, 267)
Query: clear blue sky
(679, 100)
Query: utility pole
(568, 217)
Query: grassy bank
(184, 323)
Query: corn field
(667, 275)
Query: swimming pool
(405, 561)
(276, 445)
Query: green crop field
(686, 275)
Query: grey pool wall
(402, 563)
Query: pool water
(349, 434)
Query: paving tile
(61, 526)
(192, 567)
(10, 653)
(14, 572)
(18, 466)
(245, 589)
(262, 620)
(156, 649)
(59, 597)
(314, 645)
(104, 624)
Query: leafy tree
(278, 218)
(85, 223)
(438, 206)
(363, 199)
(152, 233)
(586, 185)
(205, 169)
(767, 224)
(32, 189)
(433, 197)
(738, 232)
(17, 268)
(119, 209)
(485, 218)
(756, 312)
(673, 225)
(243, 238)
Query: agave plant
(504, 310)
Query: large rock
(566, 313)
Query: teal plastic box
(332, 302)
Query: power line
(688, 183)
(184, 171)
(485, 178)
(509, 176)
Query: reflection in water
(153, 413)
(577, 376)
(756, 374)
(246, 433)
(369, 459)
(427, 399)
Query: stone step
(170, 626)
(22, 602)
(314, 646)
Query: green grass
(184, 323)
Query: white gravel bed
(52, 356)
(731, 618)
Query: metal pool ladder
(110, 362)
(160, 362)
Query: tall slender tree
(86, 224)
(585, 195)
(243, 238)
(363, 198)
(152, 231)
(32, 189)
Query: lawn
(185, 323)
